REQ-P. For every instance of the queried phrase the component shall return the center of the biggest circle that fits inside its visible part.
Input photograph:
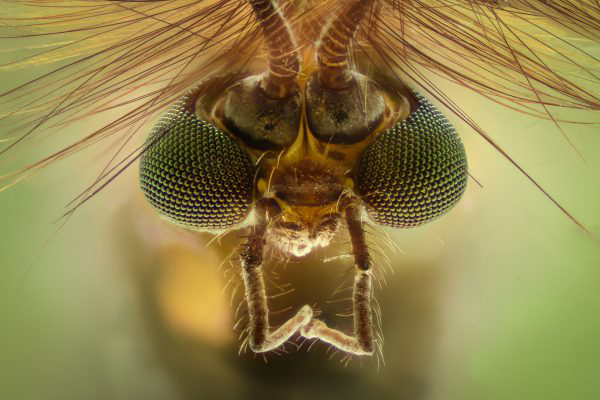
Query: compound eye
(195, 174)
(413, 172)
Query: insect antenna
(284, 61)
(333, 53)
(127, 46)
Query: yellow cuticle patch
(261, 185)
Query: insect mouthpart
(299, 240)
(309, 197)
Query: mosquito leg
(362, 342)
(261, 339)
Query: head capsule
(329, 142)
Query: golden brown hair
(128, 60)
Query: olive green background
(498, 300)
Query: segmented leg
(362, 342)
(260, 337)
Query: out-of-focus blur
(497, 300)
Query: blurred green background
(498, 300)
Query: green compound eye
(413, 172)
(194, 174)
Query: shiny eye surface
(194, 174)
(413, 172)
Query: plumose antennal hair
(123, 62)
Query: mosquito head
(305, 153)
